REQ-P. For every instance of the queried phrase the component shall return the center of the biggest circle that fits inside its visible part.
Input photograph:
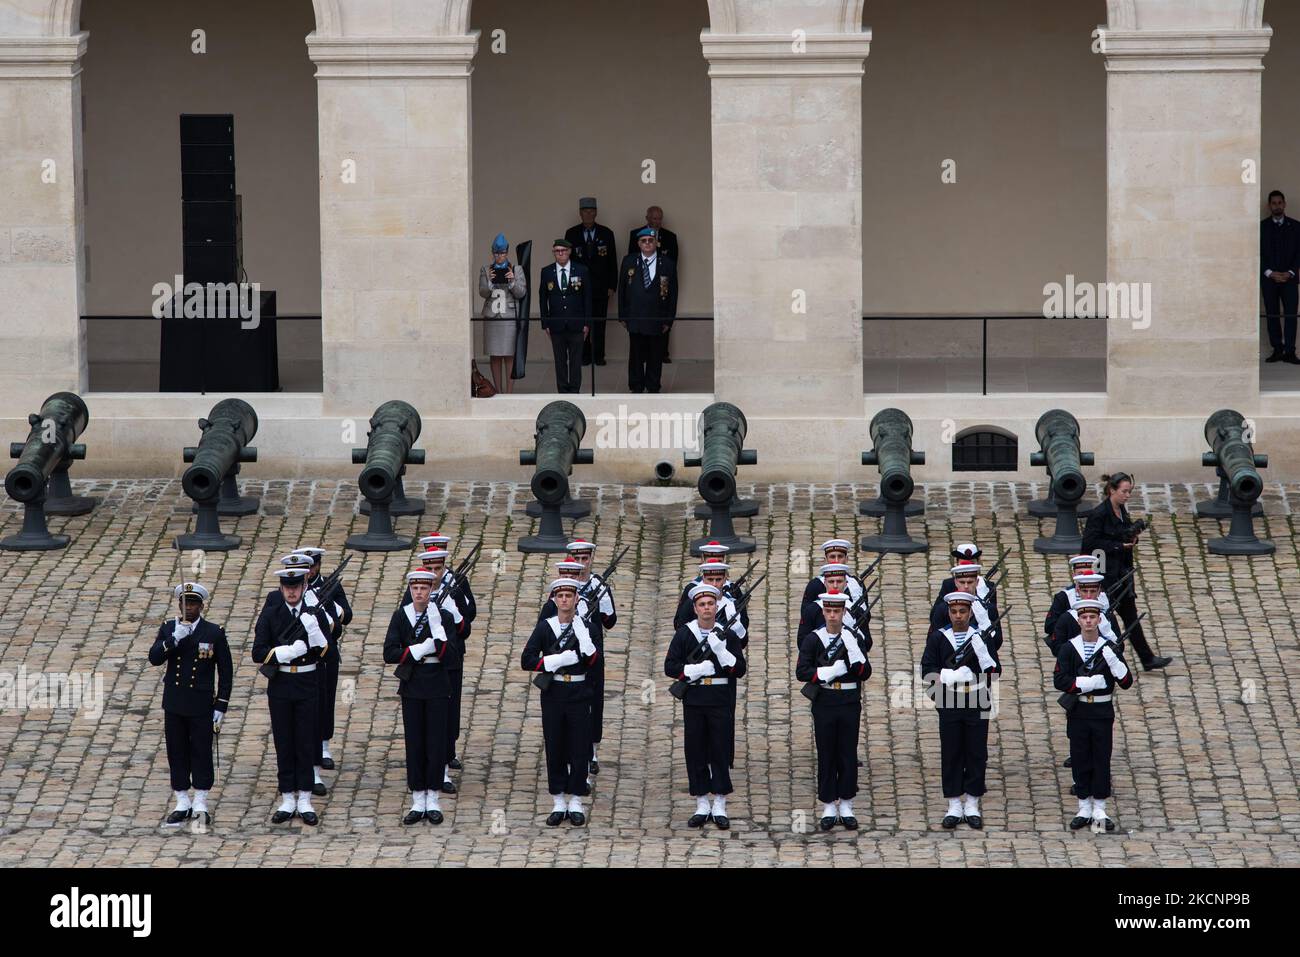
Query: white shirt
(650, 264)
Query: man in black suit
(1279, 261)
(665, 241)
(647, 305)
(594, 247)
(565, 298)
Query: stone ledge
(1177, 51)
(738, 55)
(24, 58)
(392, 58)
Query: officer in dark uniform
(665, 242)
(196, 694)
(419, 642)
(647, 305)
(963, 701)
(835, 663)
(292, 636)
(565, 297)
(594, 247)
(329, 685)
(566, 700)
(1093, 676)
(709, 659)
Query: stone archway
(63, 17)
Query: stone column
(42, 343)
(1182, 151)
(395, 220)
(787, 217)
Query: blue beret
(499, 245)
(646, 231)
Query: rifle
(968, 649)
(324, 594)
(457, 576)
(857, 608)
(741, 580)
(1116, 594)
(996, 565)
(1071, 701)
(543, 679)
(870, 568)
(812, 689)
(678, 688)
(405, 670)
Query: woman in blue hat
(501, 286)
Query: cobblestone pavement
(1205, 753)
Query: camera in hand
(499, 274)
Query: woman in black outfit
(1109, 530)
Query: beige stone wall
(139, 76)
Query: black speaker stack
(209, 221)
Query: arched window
(985, 448)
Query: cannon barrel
(891, 441)
(227, 430)
(394, 429)
(560, 428)
(1058, 443)
(722, 437)
(51, 441)
(1235, 457)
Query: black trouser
(645, 361)
(329, 687)
(963, 750)
(294, 728)
(596, 678)
(456, 677)
(567, 348)
(1090, 746)
(835, 729)
(1126, 607)
(731, 752)
(566, 729)
(1280, 298)
(189, 750)
(710, 738)
(594, 347)
(425, 722)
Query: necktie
(295, 612)
(645, 272)
(590, 237)
(564, 279)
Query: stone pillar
(42, 343)
(787, 213)
(395, 220)
(1182, 151)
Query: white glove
(286, 653)
(183, 630)
(1089, 683)
(947, 676)
(703, 670)
(216, 719)
(832, 671)
(586, 645)
(963, 675)
(982, 653)
(569, 657)
(1113, 662)
(299, 648)
(426, 647)
(716, 643)
(315, 637)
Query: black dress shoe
(556, 818)
(600, 362)
(722, 821)
(668, 360)
(1156, 663)
(1290, 357)
(850, 822)
(697, 820)
(950, 821)
(327, 764)
(455, 764)
(319, 789)
(577, 818)
(1274, 356)
(593, 766)
(448, 787)
(1110, 825)
(1072, 791)
(433, 817)
(177, 818)
(1080, 822)
(975, 821)
(309, 818)
(413, 817)
(1068, 763)
(827, 823)
(279, 817)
